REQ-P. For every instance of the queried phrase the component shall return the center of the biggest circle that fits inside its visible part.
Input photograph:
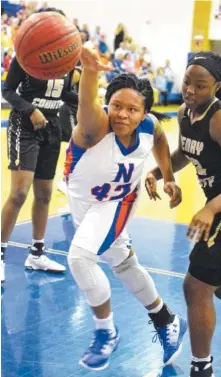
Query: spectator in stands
(85, 30)
(7, 59)
(83, 37)
(97, 33)
(161, 85)
(13, 23)
(120, 34)
(168, 73)
(6, 40)
(4, 19)
(102, 45)
(120, 52)
(145, 54)
(75, 22)
(128, 64)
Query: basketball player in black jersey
(34, 137)
(200, 143)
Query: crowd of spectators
(124, 56)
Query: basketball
(48, 45)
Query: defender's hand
(201, 224)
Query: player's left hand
(201, 224)
(174, 193)
(151, 187)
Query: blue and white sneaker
(98, 353)
(171, 338)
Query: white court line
(29, 221)
(26, 246)
(64, 253)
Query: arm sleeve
(13, 79)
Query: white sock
(106, 323)
(37, 241)
(157, 308)
(203, 360)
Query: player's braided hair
(210, 61)
(142, 86)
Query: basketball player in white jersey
(105, 161)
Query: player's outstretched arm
(92, 119)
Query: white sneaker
(62, 187)
(43, 263)
(2, 271)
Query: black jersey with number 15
(202, 151)
(46, 95)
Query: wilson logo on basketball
(48, 57)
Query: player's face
(126, 111)
(198, 87)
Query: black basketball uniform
(31, 150)
(205, 154)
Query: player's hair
(210, 61)
(51, 9)
(142, 86)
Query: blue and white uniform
(103, 186)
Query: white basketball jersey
(108, 170)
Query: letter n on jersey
(124, 172)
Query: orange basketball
(47, 45)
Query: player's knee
(196, 291)
(18, 198)
(123, 272)
(135, 277)
(81, 263)
(43, 196)
(89, 276)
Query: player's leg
(98, 228)
(202, 281)
(22, 153)
(169, 326)
(42, 188)
(201, 318)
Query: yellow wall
(201, 24)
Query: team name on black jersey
(202, 151)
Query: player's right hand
(90, 59)
(38, 119)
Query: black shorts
(205, 258)
(30, 150)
